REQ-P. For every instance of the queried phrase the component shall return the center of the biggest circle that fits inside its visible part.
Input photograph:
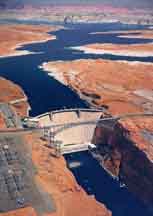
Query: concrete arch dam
(71, 137)
(72, 130)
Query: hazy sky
(118, 3)
(126, 3)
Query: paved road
(104, 122)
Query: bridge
(73, 133)
(66, 131)
(72, 130)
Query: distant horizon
(128, 4)
(112, 3)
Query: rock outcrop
(127, 153)
(52, 173)
(121, 87)
(14, 36)
(12, 94)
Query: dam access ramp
(76, 132)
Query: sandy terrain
(143, 50)
(131, 155)
(22, 212)
(2, 120)
(14, 36)
(53, 175)
(10, 92)
(145, 34)
(122, 87)
(141, 132)
(69, 197)
(142, 34)
(118, 84)
(139, 50)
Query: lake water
(96, 181)
(46, 94)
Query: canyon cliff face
(52, 174)
(126, 152)
(121, 87)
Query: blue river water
(46, 94)
(96, 181)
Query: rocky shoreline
(101, 49)
(120, 93)
(12, 94)
(52, 173)
(119, 97)
(27, 34)
(77, 75)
